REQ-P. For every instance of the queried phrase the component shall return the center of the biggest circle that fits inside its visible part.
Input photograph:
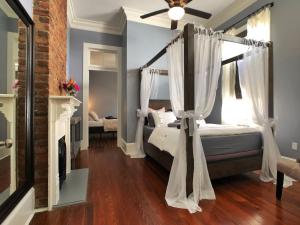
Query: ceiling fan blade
(154, 13)
(187, 1)
(174, 24)
(198, 13)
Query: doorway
(103, 59)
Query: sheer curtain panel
(253, 72)
(258, 26)
(208, 59)
(149, 77)
(207, 71)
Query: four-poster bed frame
(221, 168)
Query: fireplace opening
(62, 154)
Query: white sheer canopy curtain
(208, 59)
(207, 72)
(175, 58)
(149, 77)
(253, 72)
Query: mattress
(98, 123)
(218, 147)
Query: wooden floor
(4, 173)
(131, 191)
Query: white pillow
(162, 119)
(94, 116)
(163, 109)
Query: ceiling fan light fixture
(176, 13)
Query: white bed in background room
(93, 123)
(102, 125)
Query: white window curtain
(149, 78)
(253, 72)
(234, 111)
(258, 26)
(207, 71)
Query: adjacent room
(160, 112)
(103, 101)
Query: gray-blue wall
(143, 43)
(103, 93)
(7, 24)
(285, 34)
(77, 38)
(162, 85)
(124, 84)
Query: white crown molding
(96, 26)
(7, 10)
(236, 7)
(158, 20)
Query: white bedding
(110, 124)
(93, 123)
(166, 138)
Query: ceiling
(109, 13)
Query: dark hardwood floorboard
(4, 173)
(124, 191)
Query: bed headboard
(158, 104)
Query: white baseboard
(288, 158)
(39, 210)
(23, 212)
(127, 148)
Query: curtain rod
(225, 37)
(161, 53)
(271, 4)
(243, 41)
(233, 59)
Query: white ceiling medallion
(96, 26)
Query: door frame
(87, 47)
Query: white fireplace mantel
(60, 111)
(8, 109)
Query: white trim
(39, 210)
(288, 158)
(127, 148)
(23, 212)
(95, 26)
(87, 47)
(7, 10)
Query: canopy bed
(194, 65)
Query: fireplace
(61, 109)
(62, 158)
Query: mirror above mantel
(16, 97)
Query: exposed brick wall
(50, 17)
(57, 45)
(20, 123)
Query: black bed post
(189, 75)
(271, 81)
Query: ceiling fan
(176, 10)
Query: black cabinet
(75, 139)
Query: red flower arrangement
(71, 87)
